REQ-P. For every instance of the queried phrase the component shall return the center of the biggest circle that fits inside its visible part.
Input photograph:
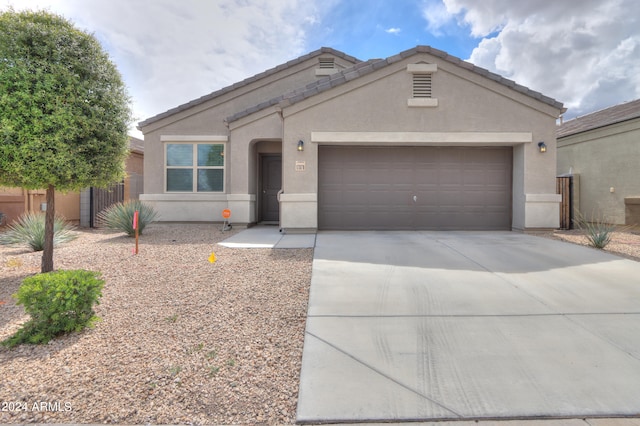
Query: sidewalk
(269, 236)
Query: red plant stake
(135, 226)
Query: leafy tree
(64, 110)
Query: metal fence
(100, 199)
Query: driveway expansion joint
(386, 376)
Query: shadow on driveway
(468, 325)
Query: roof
(605, 117)
(364, 68)
(246, 82)
(136, 145)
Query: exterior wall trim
(543, 198)
(194, 138)
(423, 138)
(292, 198)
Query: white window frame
(194, 142)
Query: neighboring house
(602, 151)
(420, 140)
(74, 207)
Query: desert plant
(29, 230)
(119, 216)
(595, 228)
(58, 302)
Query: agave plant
(119, 216)
(596, 229)
(29, 230)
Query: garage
(411, 187)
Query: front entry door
(270, 183)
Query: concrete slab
(422, 326)
(268, 237)
(296, 241)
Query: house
(602, 152)
(73, 206)
(420, 140)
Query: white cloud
(437, 16)
(394, 31)
(172, 52)
(584, 54)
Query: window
(421, 95)
(194, 167)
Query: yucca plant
(596, 229)
(29, 230)
(119, 216)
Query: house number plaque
(300, 165)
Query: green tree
(64, 110)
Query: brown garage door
(414, 188)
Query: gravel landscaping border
(180, 341)
(625, 243)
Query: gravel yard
(625, 244)
(181, 340)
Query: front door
(270, 184)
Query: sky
(583, 53)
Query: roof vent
(327, 63)
(422, 85)
(327, 66)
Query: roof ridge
(614, 114)
(245, 82)
(366, 67)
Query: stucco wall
(604, 158)
(466, 103)
(208, 117)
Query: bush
(119, 216)
(29, 230)
(58, 302)
(597, 231)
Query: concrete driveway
(406, 326)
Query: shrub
(597, 231)
(29, 230)
(119, 216)
(58, 302)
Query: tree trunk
(47, 253)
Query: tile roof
(615, 114)
(247, 81)
(364, 68)
(136, 145)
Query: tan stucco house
(420, 140)
(602, 152)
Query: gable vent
(326, 63)
(422, 85)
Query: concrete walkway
(268, 236)
(424, 326)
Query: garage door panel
(454, 188)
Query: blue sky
(584, 53)
(381, 28)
